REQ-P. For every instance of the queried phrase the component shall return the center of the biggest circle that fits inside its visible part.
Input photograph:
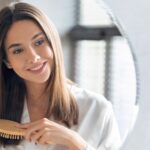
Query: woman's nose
(32, 55)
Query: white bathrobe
(97, 124)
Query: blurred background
(98, 55)
(134, 17)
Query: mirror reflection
(105, 62)
(97, 55)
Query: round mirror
(103, 60)
(98, 56)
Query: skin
(30, 56)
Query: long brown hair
(62, 104)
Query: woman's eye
(17, 51)
(39, 42)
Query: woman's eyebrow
(18, 44)
(36, 35)
(13, 45)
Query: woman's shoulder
(90, 99)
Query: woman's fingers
(44, 136)
(35, 137)
(23, 126)
(45, 131)
(26, 125)
(45, 139)
(33, 127)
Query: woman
(35, 92)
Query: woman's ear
(7, 64)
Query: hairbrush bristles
(9, 130)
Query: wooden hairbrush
(9, 130)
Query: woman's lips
(38, 68)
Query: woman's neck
(37, 100)
(37, 93)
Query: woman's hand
(45, 131)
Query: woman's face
(28, 52)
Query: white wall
(134, 16)
(60, 12)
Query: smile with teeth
(38, 68)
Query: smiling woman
(28, 52)
(36, 93)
